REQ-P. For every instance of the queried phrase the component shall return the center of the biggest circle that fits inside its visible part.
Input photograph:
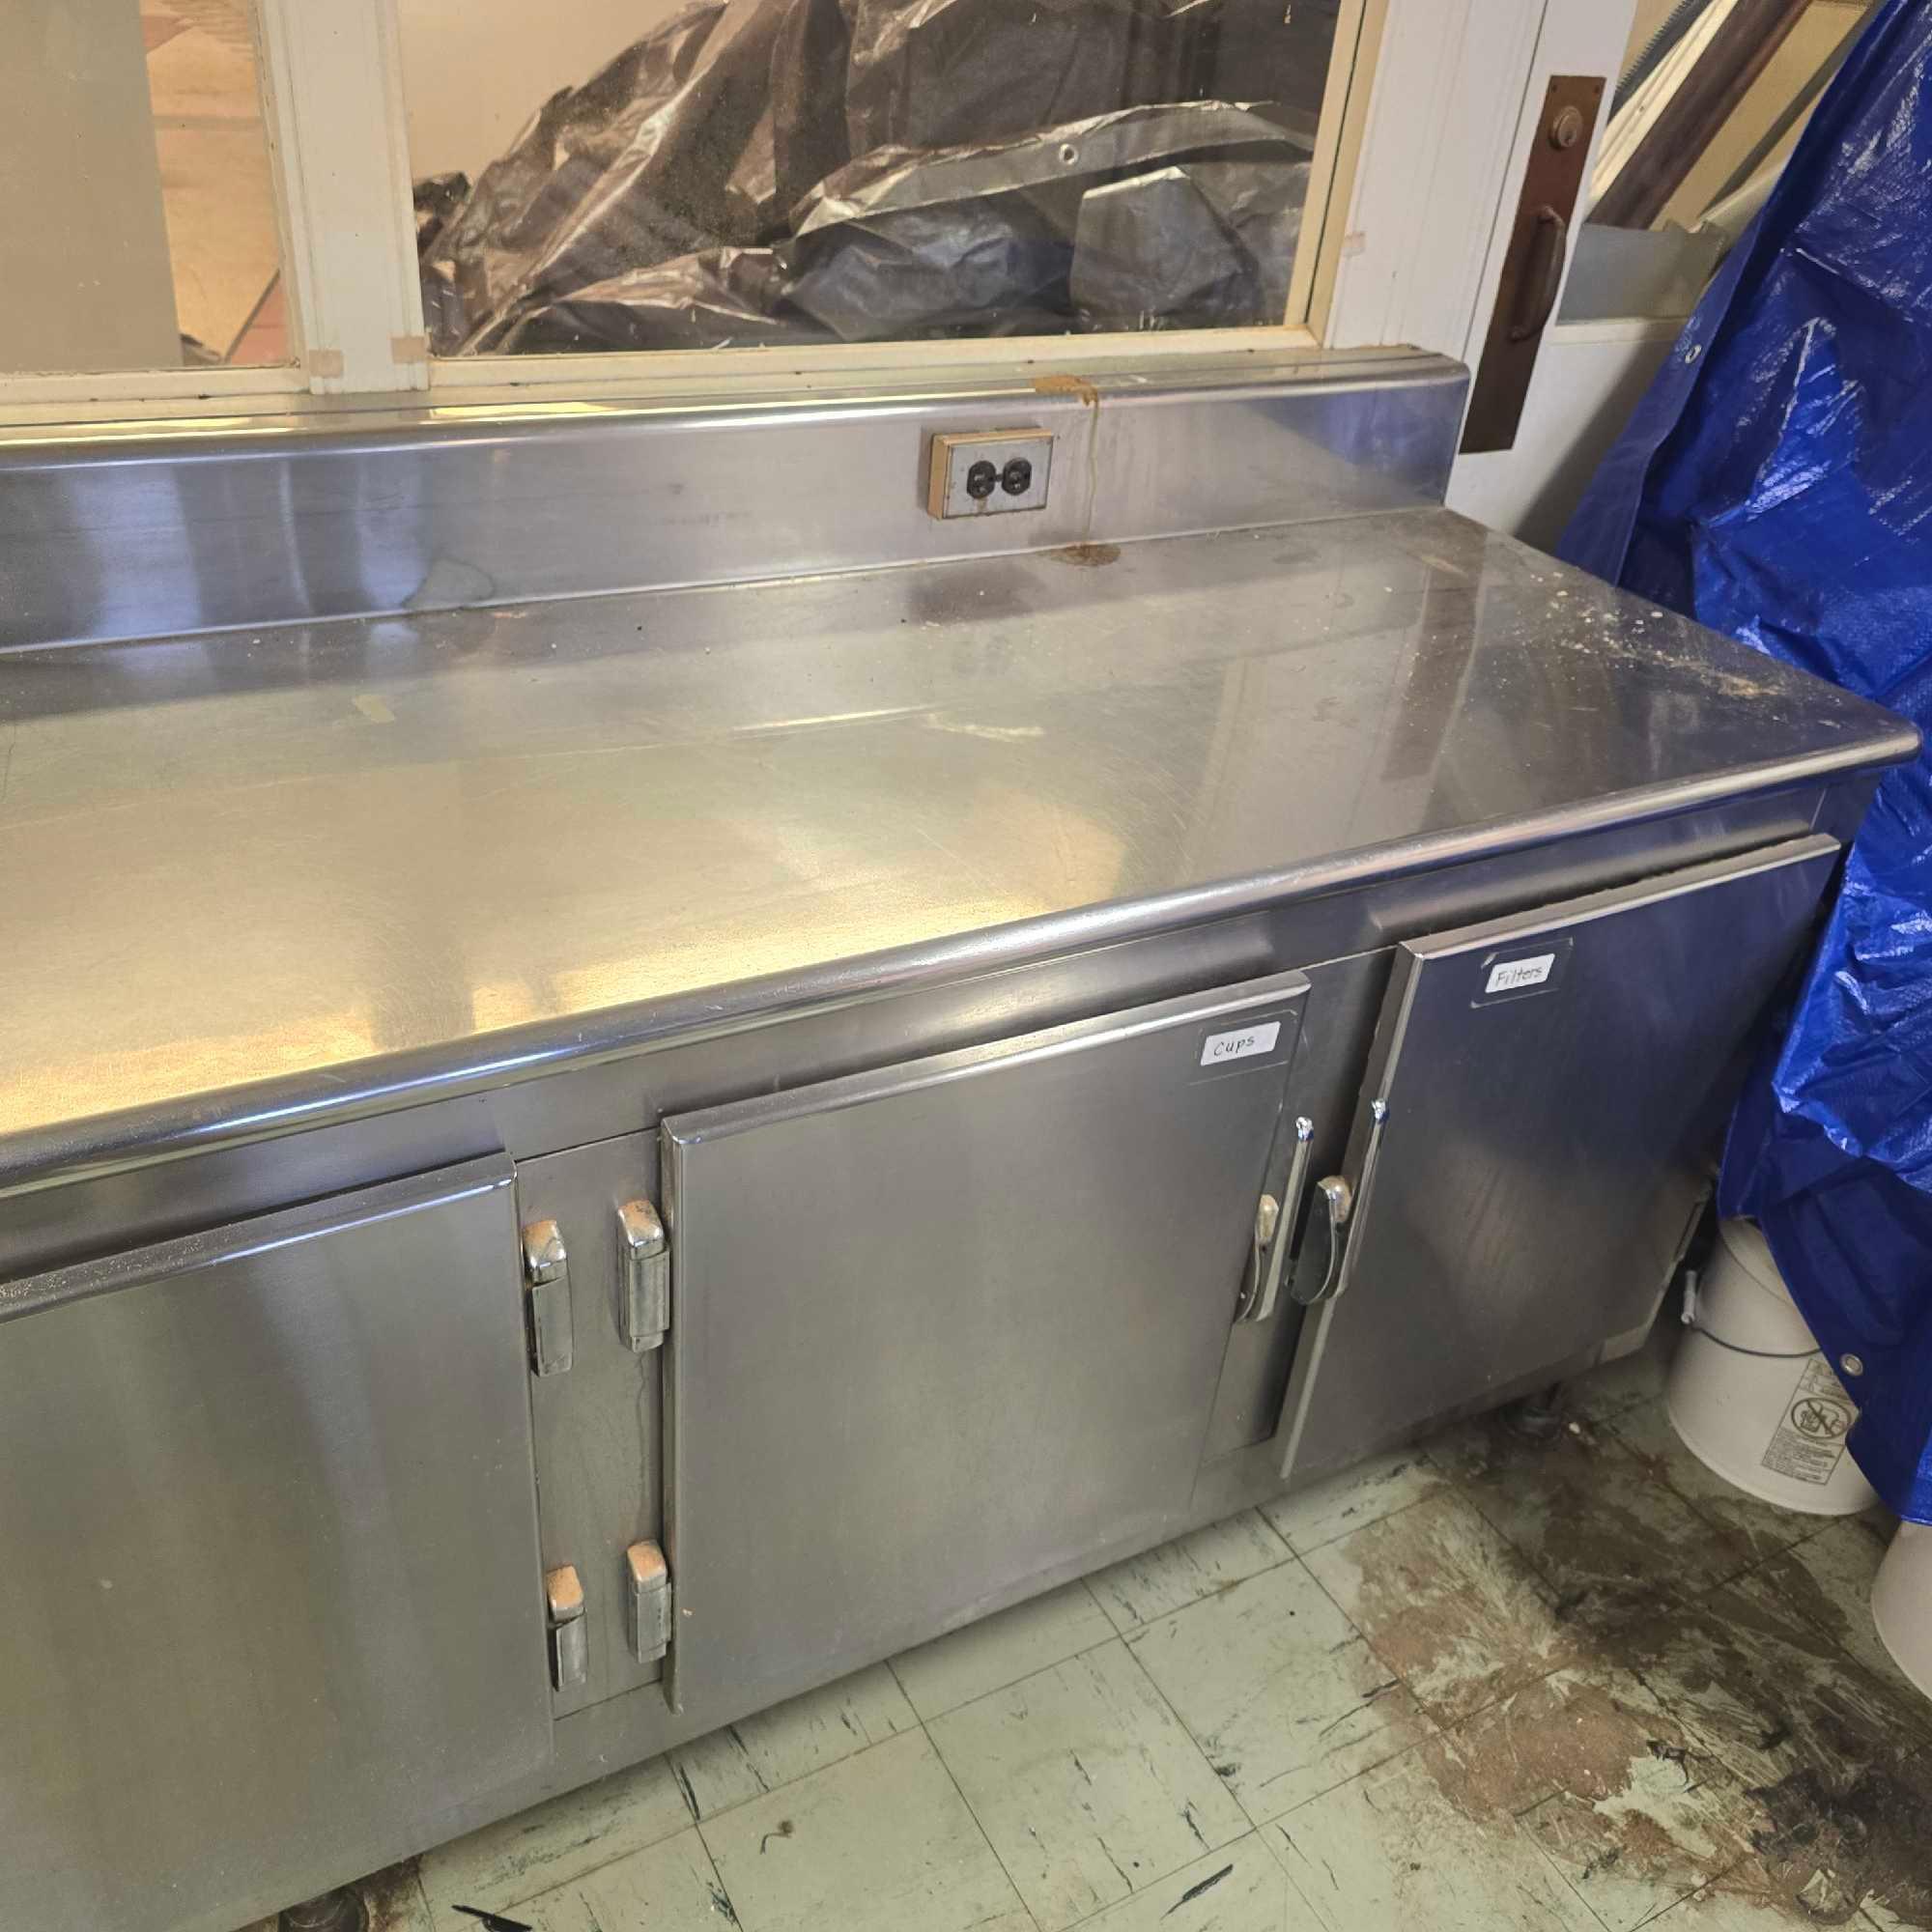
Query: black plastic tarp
(777, 171)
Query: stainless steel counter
(288, 854)
(1189, 1009)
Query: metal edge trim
(257, 1235)
(1589, 907)
(854, 1089)
(438, 425)
(105, 1143)
(271, 1109)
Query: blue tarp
(1776, 484)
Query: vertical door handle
(1274, 1231)
(547, 1269)
(644, 1260)
(1321, 1275)
(569, 1637)
(647, 1601)
(1542, 276)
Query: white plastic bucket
(1771, 1421)
(1902, 1602)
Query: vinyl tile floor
(1484, 1686)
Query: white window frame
(1417, 132)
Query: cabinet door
(942, 1328)
(1544, 1097)
(268, 1585)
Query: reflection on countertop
(271, 853)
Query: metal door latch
(643, 1263)
(647, 1601)
(1322, 1279)
(569, 1637)
(1274, 1230)
(546, 1267)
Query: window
(1713, 96)
(609, 175)
(215, 208)
(140, 219)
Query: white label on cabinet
(1512, 975)
(1242, 1045)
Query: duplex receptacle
(984, 473)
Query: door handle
(1315, 1284)
(569, 1635)
(1542, 275)
(1274, 1231)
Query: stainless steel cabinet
(1542, 1098)
(268, 1554)
(952, 1324)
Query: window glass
(624, 174)
(1702, 121)
(139, 227)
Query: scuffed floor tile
(1183, 1572)
(880, 1843)
(1366, 1494)
(1827, 1581)
(1836, 1766)
(559, 1839)
(1718, 1908)
(1611, 1540)
(1447, 1605)
(1882, 1919)
(1610, 1788)
(1834, 1844)
(1239, 1888)
(778, 1746)
(670, 1888)
(1770, 1693)
(1756, 1897)
(1761, 1528)
(1086, 1783)
(1402, 1849)
(1000, 1650)
(1282, 1695)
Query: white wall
(476, 71)
(1589, 377)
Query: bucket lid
(1752, 1252)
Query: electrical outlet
(985, 473)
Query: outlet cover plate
(952, 462)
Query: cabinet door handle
(1274, 1231)
(1339, 1200)
(569, 1635)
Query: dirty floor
(1484, 1685)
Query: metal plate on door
(1533, 267)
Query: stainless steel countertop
(273, 854)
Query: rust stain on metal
(1076, 386)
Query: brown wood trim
(1722, 75)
